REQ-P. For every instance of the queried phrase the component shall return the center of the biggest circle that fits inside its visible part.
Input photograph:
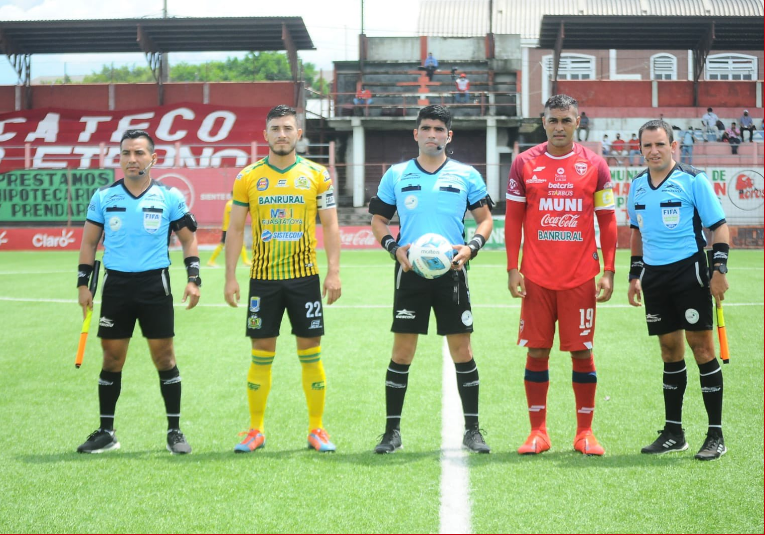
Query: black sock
(109, 387)
(711, 378)
(396, 381)
(170, 386)
(675, 381)
(467, 386)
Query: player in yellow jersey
(283, 194)
(219, 248)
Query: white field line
(454, 515)
(222, 304)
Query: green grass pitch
(47, 408)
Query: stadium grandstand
(701, 54)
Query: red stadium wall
(637, 94)
(607, 93)
(675, 93)
(88, 97)
(134, 96)
(730, 94)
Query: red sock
(585, 381)
(536, 381)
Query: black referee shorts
(143, 296)
(677, 296)
(448, 296)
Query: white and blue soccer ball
(431, 255)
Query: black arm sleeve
(485, 201)
(378, 207)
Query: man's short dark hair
(135, 134)
(561, 102)
(709, 110)
(281, 110)
(656, 124)
(435, 113)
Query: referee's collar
(428, 172)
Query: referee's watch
(722, 268)
(196, 280)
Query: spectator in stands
(618, 149)
(634, 148)
(584, 124)
(709, 122)
(733, 136)
(463, 85)
(747, 124)
(686, 147)
(363, 98)
(606, 144)
(430, 66)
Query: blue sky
(334, 29)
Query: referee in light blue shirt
(668, 205)
(136, 215)
(431, 193)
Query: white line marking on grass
(222, 304)
(455, 482)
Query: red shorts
(573, 309)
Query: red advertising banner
(53, 138)
(32, 239)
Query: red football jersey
(561, 194)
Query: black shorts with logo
(301, 298)
(448, 296)
(143, 296)
(677, 296)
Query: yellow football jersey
(283, 205)
(227, 215)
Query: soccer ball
(431, 255)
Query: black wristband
(636, 267)
(475, 245)
(720, 253)
(192, 266)
(389, 244)
(84, 271)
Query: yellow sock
(244, 254)
(216, 252)
(258, 386)
(314, 381)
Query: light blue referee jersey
(431, 202)
(670, 217)
(136, 229)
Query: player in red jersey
(553, 193)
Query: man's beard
(282, 150)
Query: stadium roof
(644, 32)
(464, 18)
(160, 35)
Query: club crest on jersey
(580, 168)
(151, 221)
(670, 217)
(301, 182)
(262, 184)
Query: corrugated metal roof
(463, 18)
